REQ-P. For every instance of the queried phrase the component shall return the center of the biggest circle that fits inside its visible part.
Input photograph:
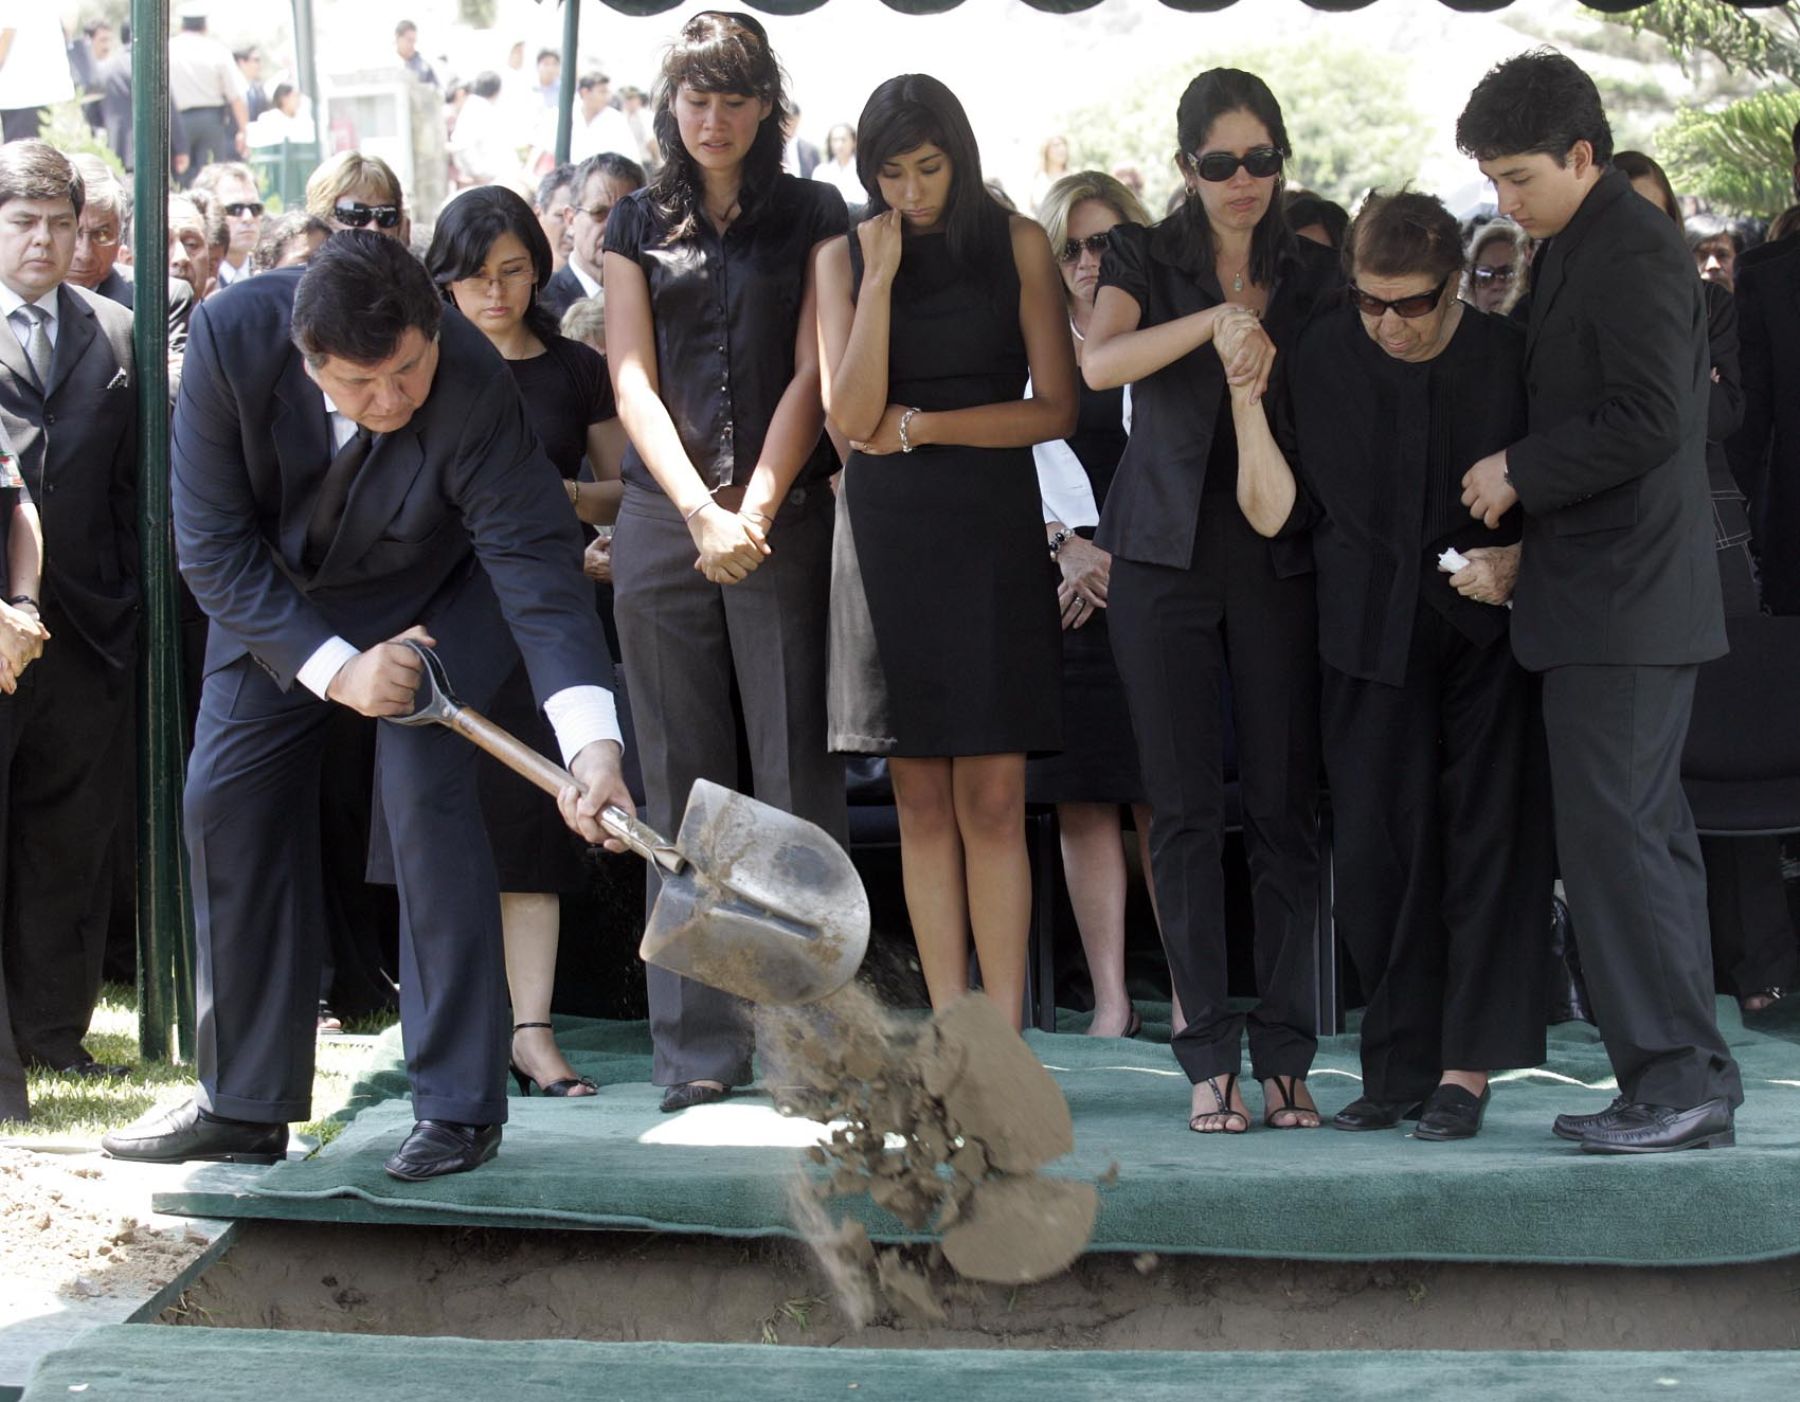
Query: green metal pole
(565, 117)
(165, 920)
(306, 60)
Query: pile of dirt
(944, 1122)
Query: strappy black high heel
(1223, 1110)
(567, 1086)
(1284, 1089)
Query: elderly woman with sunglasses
(1499, 267)
(1194, 593)
(354, 191)
(1433, 746)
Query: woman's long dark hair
(467, 229)
(916, 110)
(719, 51)
(1209, 97)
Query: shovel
(754, 901)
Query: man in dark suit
(352, 466)
(69, 410)
(600, 182)
(1617, 600)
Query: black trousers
(67, 718)
(21, 123)
(1443, 859)
(210, 138)
(253, 841)
(1631, 867)
(683, 642)
(13, 1100)
(1174, 633)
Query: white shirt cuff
(581, 715)
(318, 670)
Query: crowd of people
(1443, 520)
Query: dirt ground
(632, 1286)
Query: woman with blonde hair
(1499, 267)
(354, 191)
(1097, 770)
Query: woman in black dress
(944, 638)
(1097, 770)
(490, 257)
(1195, 591)
(1433, 744)
(722, 556)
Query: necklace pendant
(1237, 283)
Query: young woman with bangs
(722, 553)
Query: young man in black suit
(352, 467)
(1617, 600)
(68, 409)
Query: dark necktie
(334, 491)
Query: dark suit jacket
(808, 156)
(1618, 563)
(116, 287)
(77, 447)
(1765, 452)
(464, 481)
(563, 291)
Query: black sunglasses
(1487, 274)
(240, 209)
(1419, 304)
(1073, 249)
(357, 216)
(1216, 167)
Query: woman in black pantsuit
(1194, 590)
(1433, 744)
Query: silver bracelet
(906, 423)
(688, 518)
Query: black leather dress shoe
(1450, 1112)
(437, 1147)
(91, 1070)
(188, 1132)
(1364, 1114)
(1660, 1129)
(689, 1094)
(1576, 1127)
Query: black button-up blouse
(726, 312)
(1153, 508)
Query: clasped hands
(731, 543)
(1245, 350)
(22, 639)
(1086, 573)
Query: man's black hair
(1535, 103)
(359, 296)
(548, 53)
(487, 84)
(589, 81)
(36, 170)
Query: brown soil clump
(943, 1122)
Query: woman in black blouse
(722, 555)
(489, 255)
(1432, 742)
(1195, 592)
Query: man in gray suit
(1617, 599)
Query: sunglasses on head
(241, 208)
(357, 215)
(1419, 304)
(1073, 248)
(1216, 167)
(1486, 274)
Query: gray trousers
(1631, 864)
(684, 642)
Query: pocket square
(120, 380)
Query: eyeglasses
(515, 278)
(1486, 274)
(1419, 304)
(1216, 167)
(99, 238)
(253, 208)
(358, 215)
(598, 213)
(1072, 250)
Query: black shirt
(726, 312)
(565, 389)
(1153, 511)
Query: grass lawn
(68, 1108)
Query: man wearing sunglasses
(352, 470)
(232, 185)
(1618, 599)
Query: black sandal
(567, 1086)
(1224, 1112)
(1284, 1088)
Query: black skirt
(1098, 762)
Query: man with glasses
(232, 184)
(555, 209)
(600, 183)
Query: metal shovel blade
(768, 907)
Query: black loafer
(91, 1070)
(1660, 1129)
(1367, 1114)
(1575, 1128)
(188, 1132)
(1450, 1112)
(437, 1147)
(689, 1094)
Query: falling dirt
(943, 1122)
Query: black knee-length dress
(944, 630)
